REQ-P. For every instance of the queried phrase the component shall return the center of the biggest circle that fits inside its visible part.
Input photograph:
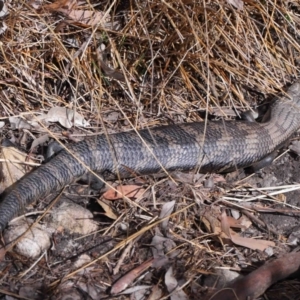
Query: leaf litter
(145, 64)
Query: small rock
(73, 218)
(82, 260)
(33, 243)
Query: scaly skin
(225, 145)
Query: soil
(68, 249)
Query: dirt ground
(71, 249)
(123, 65)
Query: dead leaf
(130, 191)
(225, 224)
(239, 4)
(156, 293)
(136, 292)
(110, 72)
(242, 222)
(39, 141)
(161, 245)
(85, 17)
(15, 164)
(65, 116)
(254, 244)
(20, 123)
(166, 210)
(108, 211)
(67, 4)
(171, 284)
(112, 117)
(122, 283)
(210, 219)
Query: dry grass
(172, 59)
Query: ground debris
(115, 66)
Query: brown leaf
(68, 8)
(130, 191)
(66, 4)
(14, 166)
(108, 211)
(225, 224)
(87, 17)
(122, 283)
(255, 244)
